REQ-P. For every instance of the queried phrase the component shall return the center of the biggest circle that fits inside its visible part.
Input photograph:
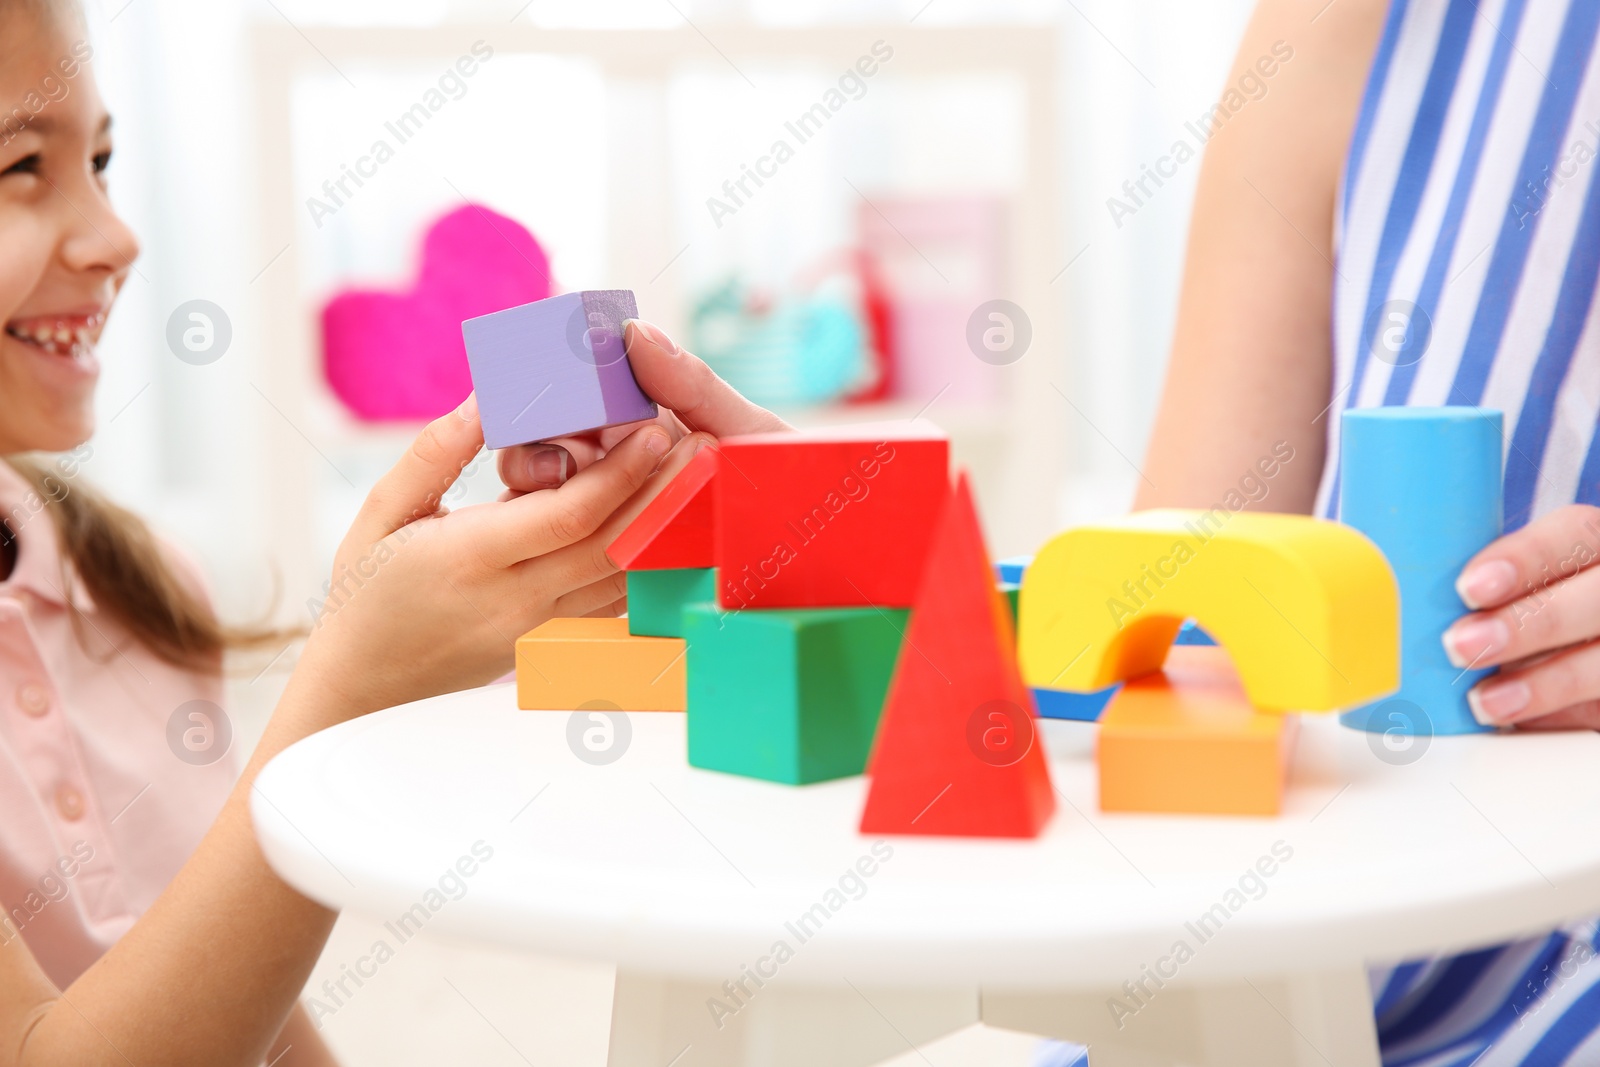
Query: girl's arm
(209, 974)
(1252, 359)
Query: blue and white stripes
(1470, 195)
(1468, 257)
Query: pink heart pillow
(399, 356)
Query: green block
(1011, 591)
(656, 599)
(788, 696)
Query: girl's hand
(426, 601)
(691, 396)
(1537, 596)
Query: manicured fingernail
(1471, 642)
(548, 466)
(658, 443)
(1487, 583)
(652, 333)
(1494, 703)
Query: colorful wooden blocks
(674, 530)
(957, 753)
(1308, 609)
(787, 696)
(656, 599)
(828, 518)
(566, 664)
(554, 367)
(1424, 484)
(1187, 740)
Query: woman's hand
(1537, 600)
(426, 601)
(692, 398)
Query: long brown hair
(120, 563)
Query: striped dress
(1468, 237)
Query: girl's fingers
(415, 485)
(682, 382)
(1564, 684)
(540, 523)
(610, 611)
(1553, 547)
(596, 597)
(1566, 612)
(545, 465)
(579, 564)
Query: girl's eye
(102, 161)
(25, 165)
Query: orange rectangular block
(596, 664)
(1187, 740)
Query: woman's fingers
(1520, 564)
(414, 486)
(540, 523)
(1566, 612)
(1560, 688)
(682, 382)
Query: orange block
(581, 664)
(1187, 740)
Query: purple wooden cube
(554, 367)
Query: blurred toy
(957, 752)
(657, 599)
(803, 350)
(399, 355)
(1424, 484)
(554, 367)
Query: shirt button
(69, 802)
(33, 699)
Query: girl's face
(64, 253)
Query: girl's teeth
(63, 335)
(41, 334)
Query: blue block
(554, 367)
(1424, 485)
(1010, 569)
(1190, 634)
(1061, 704)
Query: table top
(478, 820)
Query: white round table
(751, 924)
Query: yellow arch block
(1308, 609)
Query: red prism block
(956, 752)
(836, 517)
(674, 529)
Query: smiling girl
(141, 923)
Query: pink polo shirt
(98, 808)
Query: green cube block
(656, 599)
(1011, 591)
(788, 696)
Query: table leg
(1321, 1019)
(658, 1021)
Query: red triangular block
(674, 529)
(956, 751)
